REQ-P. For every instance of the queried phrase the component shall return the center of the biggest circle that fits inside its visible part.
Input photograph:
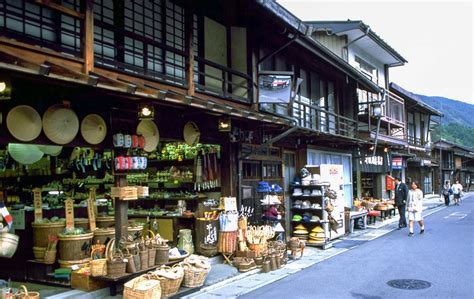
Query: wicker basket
(260, 249)
(50, 256)
(98, 267)
(208, 249)
(115, 263)
(38, 252)
(23, 293)
(142, 287)
(144, 259)
(131, 267)
(194, 276)
(170, 283)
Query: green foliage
(456, 133)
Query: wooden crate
(124, 193)
(85, 282)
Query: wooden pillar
(188, 37)
(227, 170)
(88, 38)
(121, 212)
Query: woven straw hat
(93, 129)
(317, 229)
(300, 226)
(191, 133)
(149, 130)
(60, 124)
(24, 123)
(52, 150)
(25, 153)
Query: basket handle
(152, 233)
(109, 245)
(24, 289)
(92, 252)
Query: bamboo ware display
(41, 231)
(170, 279)
(116, 266)
(142, 287)
(98, 267)
(25, 294)
(50, 252)
(227, 242)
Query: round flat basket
(52, 150)
(149, 130)
(60, 124)
(24, 123)
(191, 133)
(25, 153)
(93, 129)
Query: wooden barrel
(74, 247)
(105, 221)
(103, 235)
(41, 231)
(38, 252)
(81, 222)
(69, 264)
(135, 231)
(227, 242)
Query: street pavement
(443, 256)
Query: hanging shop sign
(374, 164)
(38, 204)
(91, 209)
(390, 182)
(69, 208)
(397, 163)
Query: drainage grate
(409, 284)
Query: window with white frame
(367, 69)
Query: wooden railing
(315, 118)
(214, 78)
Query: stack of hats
(306, 204)
(307, 217)
(297, 192)
(301, 232)
(317, 235)
(297, 204)
(297, 218)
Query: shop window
(42, 26)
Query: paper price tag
(69, 209)
(37, 204)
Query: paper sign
(19, 218)
(230, 204)
(69, 209)
(91, 209)
(37, 204)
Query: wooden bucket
(105, 221)
(74, 247)
(103, 235)
(38, 252)
(81, 222)
(69, 264)
(41, 231)
(135, 231)
(162, 254)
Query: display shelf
(309, 222)
(305, 196)
(310, 209)
(309, 186)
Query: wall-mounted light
(92, 80)
(5, 89)
(371, 148)
(385, 149)
(146, 111)
(224, 124)
(377, 110)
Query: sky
(436, 37)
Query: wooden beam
(57, 7)
(88, 38)
(188, 37)
(15, 60)
(62, 70)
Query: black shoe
(422, 231)
(399, 228)
(410, 234)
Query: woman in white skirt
(414, 208)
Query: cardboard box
(86, 282)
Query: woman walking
(415, 207)
(447, 191)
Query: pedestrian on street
(447, 191)
(457, 191)
(415, 207)
(401, 196)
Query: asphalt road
(442, 256)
